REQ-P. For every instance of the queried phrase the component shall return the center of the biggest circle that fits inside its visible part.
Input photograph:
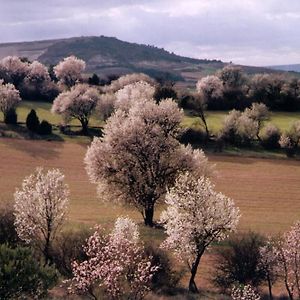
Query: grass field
(266, 190)
(214, 118)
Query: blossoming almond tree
(79, 103)
(195, 217)
(116, 262)
(9, 97)
(288, 254)
(69, 71)
(244, 293)
(139, 155)
(40, 208)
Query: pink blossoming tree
(116, 263)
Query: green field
(215, 118)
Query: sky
(249, 32)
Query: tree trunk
(148, 216)
(270, 288)
(192, 285)
(202, 118)
(84, 124)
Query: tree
(94, 80)
(9, 98)
(164, 92)
(195, 217)
(268, 263)
(126, 80)
(259, 113)
(21, 276)
(116, 262)
(132, 93)
(240, 262)
(290, 140)
(139, 155)
(288, 255)
(32, 121)
(14, 70)
(68, 71)
(40, 208)
(78, 103)
(208, 88)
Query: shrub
(164, 92)
(239, 262)
(192, 136)
(67, 248)
(270, 137)
(8, 234)
(45, 128)
(11, 117)
(166, 278)
(32, 121)
(21, 276)
(94, 80)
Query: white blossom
(40, 207)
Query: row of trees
(231, 88)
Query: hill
(288, 68)
(109, 55)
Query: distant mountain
(288, 68)
(108, 55)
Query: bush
(32, 121)
(21, 276)
(270, 137)
(192, 136)
(11, 117)
(166, 278)
(45, 128)
(8, 234)
(68, 248)
(94, 80)
(239, 261)
(164, 92)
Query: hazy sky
(253, 32)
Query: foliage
(195, 217)
(69, 247)
(239, 262)
(11, 117)
(164, 92)
(8, 233)
(40, 208)
(270, 137)
(116, 262)
(69, 70)
(166, 278)
(94, 80)
(9, 98)
(21, 276)
(139, 155)
(45, 128)
(32, 121)
(78, 102)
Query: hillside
(288, 68)
(108, 55)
